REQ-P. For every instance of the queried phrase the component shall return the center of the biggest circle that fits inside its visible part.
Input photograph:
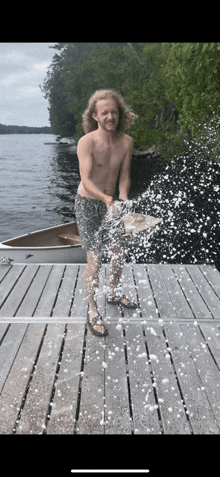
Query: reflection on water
(38, 184)
(64, 183)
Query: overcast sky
(23, 66)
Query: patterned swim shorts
(91, 221)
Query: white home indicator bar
(124, 471)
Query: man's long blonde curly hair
(126, 117)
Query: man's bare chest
(108, 158)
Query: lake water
(38, 183)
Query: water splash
(186, 198)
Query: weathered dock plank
(168, 292)
(212, 275)
(68, 282)
(9, 349)
(197, 403)
(34, 414)
(212, 339)
(34, 292)
(206, 367)
(192, 294)
(117, 409)
(207, 293)
(145, 293)
(174, 419)
(9, 281)
(91, 411)
(146, 419)
(49, 295)
(15, 388)
(180, 304)
(10, 307)
(139, 379)
(80, 303)
(161, 295)
(156, 372)
(65, 401)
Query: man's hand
(109, 201)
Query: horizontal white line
(110, 470)
(42, 319)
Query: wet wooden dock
(157, 371)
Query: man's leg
(114, 275)
(115, 269)
(92, 281)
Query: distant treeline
(24, 129)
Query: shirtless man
(104, 155)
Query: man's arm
(124, 180)
(84, 152)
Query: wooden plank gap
(29, 382)
(153, 384)
(128, 381)
(191, 384)
(153, 292)
(80, 302)
(4, 270)
(203, 270)
(74, 291)
(57, 293)
(9, 350)
(204, 274)
(80, 382)
(42, 291)
(209, 347)
(48, 296)
(53, 390)
(202, 290)
(169, 399)
(206, 368)
(26, 291)
(62, 418)
(11, 282)
(136, 289)
(183, 291)
(212, 275)
(169, 351)
(169, 293)
(4, 333)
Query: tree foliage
(172, 87)
(192, 78)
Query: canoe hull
(65, 254)
(59, 244)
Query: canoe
(59, 244)
(62, 244)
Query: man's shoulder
(85, 144)
(86, 139)
(128, 140)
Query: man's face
(107, 114)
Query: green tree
(63, 121)
(192, 78)
(135, 70)
(157, 116)
(82, 68)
